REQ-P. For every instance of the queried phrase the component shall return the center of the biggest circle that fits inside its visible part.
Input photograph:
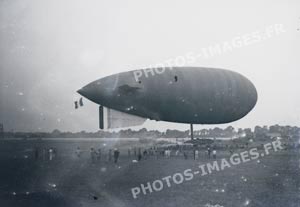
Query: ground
(67, 180)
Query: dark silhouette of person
(208, 152)
(80, 102)
(145, 154)
(116, 155)
(176, 78)
(76, 104)
(139, 154)
(139, 157)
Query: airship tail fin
(111, 119)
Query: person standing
(129, 152)
(139, 155)
(116, 155)
(208, 152)
(196, 154)
(44, 154)
(145, 154)
(51, 154)
(214, 154)
(177, 153)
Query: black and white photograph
(165, 103)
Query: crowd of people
(45, 153)
(169, 152)
(97, 156)
(135, 153)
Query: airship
(190, 95)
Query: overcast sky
(49, 49)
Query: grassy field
(67, 180)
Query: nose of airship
(96, 91)
(102, 90)
(81, 92)
(89, 91)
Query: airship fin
(112, 119)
